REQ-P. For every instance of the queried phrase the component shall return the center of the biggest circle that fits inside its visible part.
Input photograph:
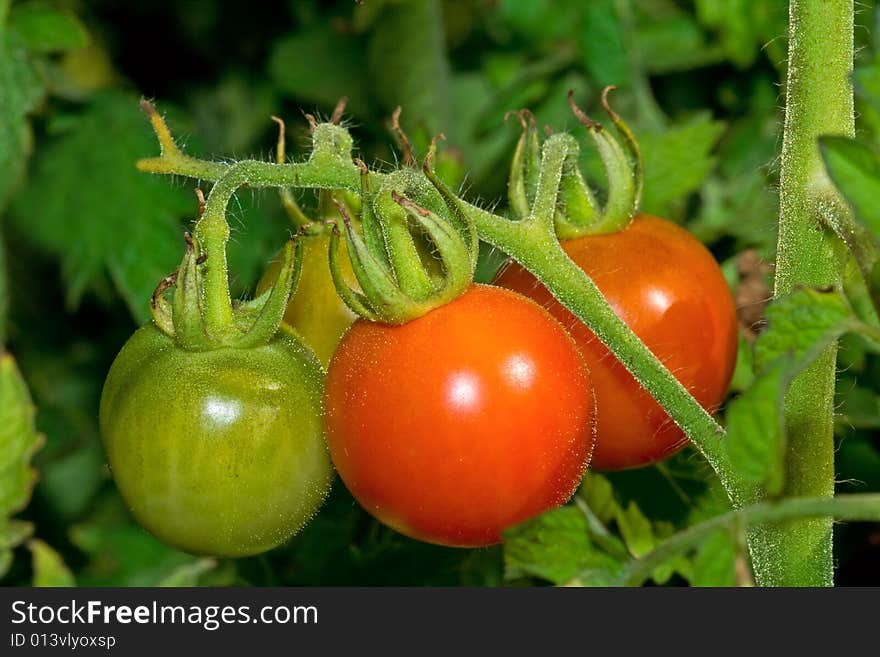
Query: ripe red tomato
(458, 424)
(670, 291)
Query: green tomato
(217, 452)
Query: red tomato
(670, 291)
(458, 424)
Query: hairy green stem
(863, 507)
(212, 229)
(819, 101)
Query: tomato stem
(552, 161)
(819, 102)
(212, 232)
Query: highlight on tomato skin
(463, 422)
(669, 290)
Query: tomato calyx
(577, 212)
(412, 251)
(253, 323)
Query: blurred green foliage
(87, 237)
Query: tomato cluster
(450, 410)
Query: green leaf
(120, 552)
(744, 370)
(669, 40)
(802, 324)
(189, 573)
(65, 376)
(636, 530)
(574, 545)
(12, 534)
(19, 441)
(603, 44)
(319, 65)
(556, 547)
(738, 199)
(540, 20)
(743, 26)
(48, 566)
(597, 492)
(715, 561)
(756, 428)
(44, 28)
(22, 89)
(408, 67)
(86, 203)
(664, 492)
(740, 207)
(676, 162)
(855, 169)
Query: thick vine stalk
(819, 101)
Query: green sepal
(274, 301)
(453, 252)
(352, 298)
(160, 307)
(370, 226)
(406, 264)
(458, 214)
(386, 300)
(187, 312)
(576, 204)
(523, 181)
(254, 322)
(630, 144)
(620, 204)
